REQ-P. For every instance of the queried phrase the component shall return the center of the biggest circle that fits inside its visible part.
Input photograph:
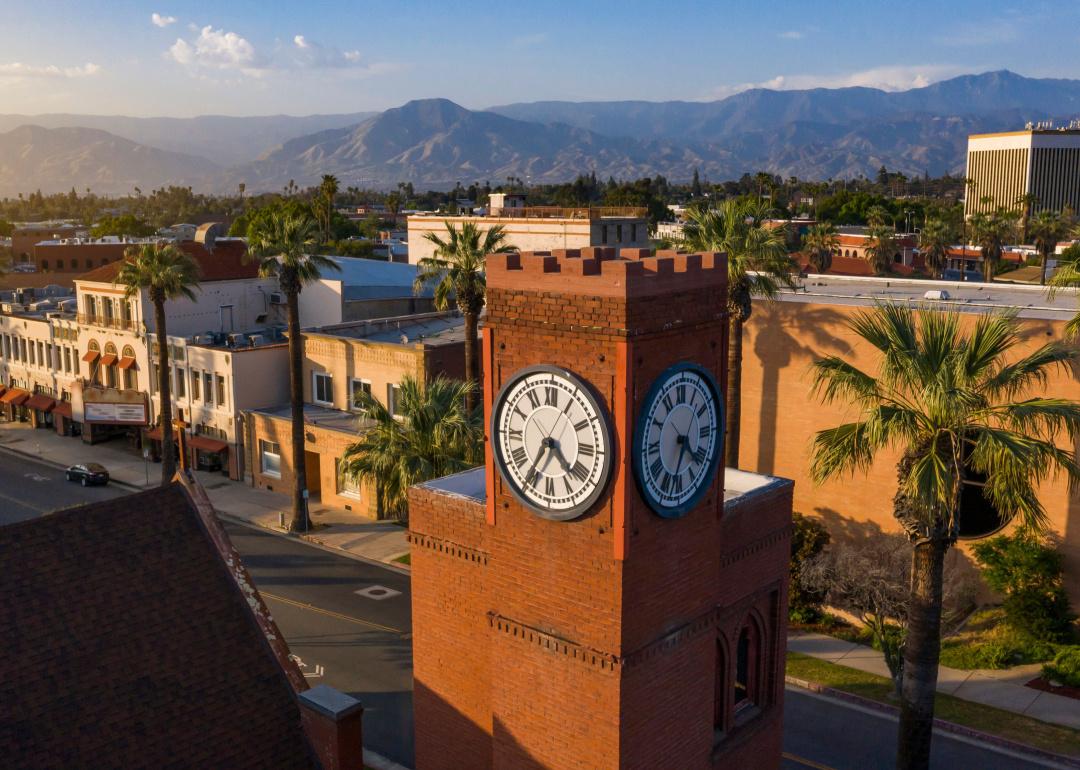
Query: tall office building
(1040, 161)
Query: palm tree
(164, 272)
(328, 190)
(934, 242)
(1047, 228)
(876, 216)
(457, 271)
(435, 434)
(879, 248)
(989, 231)
(820, 245)
(1067, 275)
(758, 265)
(1027, 203)
(949, 403)
(280, 242)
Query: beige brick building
(340, 361)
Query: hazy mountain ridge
(812, 134)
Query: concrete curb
(941, 724)
(307, 540)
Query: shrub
(1028, 573)
(1065, 667)
(807, 541)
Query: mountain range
(813, 134)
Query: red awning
(62, 408)
(15, 396)
(108, 359)
(41, 402)
(154, 434)
(207, 444)
(90, 356)
(127, 362)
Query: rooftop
(332, 419)
(225, 262)
(147, 650)
(430, 329)
(964, 296)
(374, 278)
(550, 212)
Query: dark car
(87, 474)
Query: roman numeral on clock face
(518, 456)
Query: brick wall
(592, 643)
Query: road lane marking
(332, 614)
(805, 761)
(21, 503)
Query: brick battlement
(600, 271)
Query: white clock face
(551, 442)
(677, 439)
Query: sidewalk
(381, 541)
(1001, 689)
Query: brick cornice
(754, 546)
(448, 548)
(599, 659)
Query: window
(356, 387)
(270, 458)
(208, 387)
(33, 353)
(742, 671)
(181, 380)
(111, 370)
(603, 234)
(347, 486)
(719, 690)
(220, 390)
(322, 387)
(393, 397)
(194, 385)
(155, 371)
(618, 233)
(633, 233)
(747, 686)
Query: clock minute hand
(545, 444)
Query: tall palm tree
(457, 269)
(820, 244)
(435, 434)
(328, 190)
(879, 248)
(1027, 203)
(953, 404)
(1068, 276)
(280, 243)
(989, 231)
(164, 272)
(934, 242)
(1047, 228)
(758, 265)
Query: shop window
(356, 387)
(347, 486)
(322, 388)
(270, 458)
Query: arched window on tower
(749, 694)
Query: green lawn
(987, 719)
(986, 641)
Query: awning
(154, 434)
(127, 362)
(207, 444)
(108, 359)
(62, 408)
(90, 356)
(14, 396)
(41, 402)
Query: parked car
(87, 474)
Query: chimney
(333, 723)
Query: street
(359, 642)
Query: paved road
(360, 644)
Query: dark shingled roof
(127, 643)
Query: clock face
(551, 442)
(677, 439)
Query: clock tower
(601, 594)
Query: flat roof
(352, 423)
(426, 328)
(964, 296)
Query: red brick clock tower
(597, 596)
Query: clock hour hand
(682, 453)
(545, 444)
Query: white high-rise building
(1041, 161)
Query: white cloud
(301, 42)
(791, 34)
(899, 78)
(161, 21)
(22, 70)
(217, 49)
(309, 54)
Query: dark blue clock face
(678, 439)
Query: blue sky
(241, 58)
